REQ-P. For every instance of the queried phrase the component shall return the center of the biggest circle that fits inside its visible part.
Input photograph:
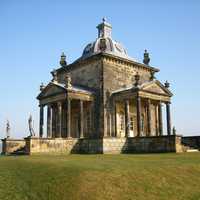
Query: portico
(139, 110)
(69, 111)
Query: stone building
(104, 93)
(103, 102)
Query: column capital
(138, 97)
(160, 103)
(59, 103)
(50, 104)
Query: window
(121, 121)
(131, 123)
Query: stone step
(192, 150)
(189, 148)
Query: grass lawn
(90, 177)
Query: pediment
(156, 87)
(51, 90)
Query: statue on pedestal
(7, 129)
(30, 124)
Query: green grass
(102, 177)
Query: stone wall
(132, 145)
(51, 145)
(118, 75)
(191, 141)
(12, 145)
(106, 145)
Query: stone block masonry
(153, 144)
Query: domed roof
(104, 43)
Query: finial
(174, 131)
(63, 62)
(137, 78)
(7, 129)
(68, 81)
(146, 59)
(42, 86)
(104, 29)
(152, 77)
(167, 84)
(55, 77)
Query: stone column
(156, 120)
(138, 107)
(127, 118)
(49, 121)
(115, 118)
(91, 132)
(53, 121)
(68, 117)
(41, 120)
(149, 116)
(160, 118)
(168, 118)
(59, 122)
(81, 120)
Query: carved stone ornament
(102, 44)
(146, 59)
(55, 77)
(68, 81)
(137, 78)
(63, 62)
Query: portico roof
(55, 91)
(152, 89)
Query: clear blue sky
(34, 33)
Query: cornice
(107, 58)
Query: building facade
(104, 94)
(103, 102)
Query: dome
(104, 43)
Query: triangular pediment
(50, 90)
(156, 87)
